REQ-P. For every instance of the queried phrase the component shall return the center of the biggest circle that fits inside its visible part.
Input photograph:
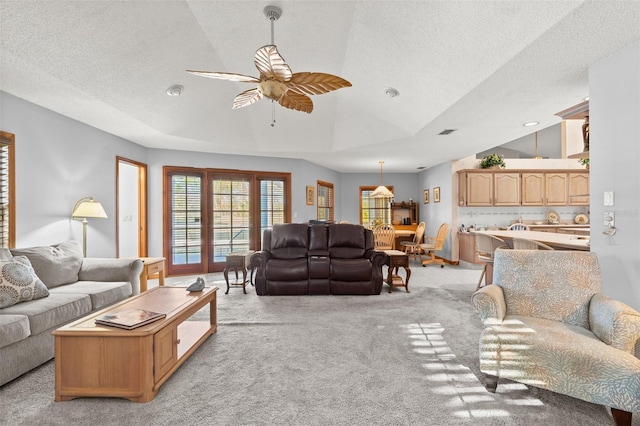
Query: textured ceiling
(481, 67)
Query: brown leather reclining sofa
(298, 258)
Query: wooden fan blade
(316, 83)
(271, 65)
(247, 98)
(296, 101)
(225, 76)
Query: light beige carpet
(392, 359)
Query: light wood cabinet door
(532, 189)
(507, 189)
(467, 248)
(579, 189)
(479, 189)
(165, 344)
(556, 189)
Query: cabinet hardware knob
(178, 342)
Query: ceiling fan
(276, 80)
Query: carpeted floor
(392, 359)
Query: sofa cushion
(289, 240)
(19, 282)
(351, 270)
(102, 293)
(5, 253)
(56, 264)
(53, 311)
(13, 328)
(287, 270)
(346, 241)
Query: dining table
(556, 240)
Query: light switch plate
(608, 198)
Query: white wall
(614, 116)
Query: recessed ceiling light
(586, 98)
(391, 92)
(175, 90)
(531, 123)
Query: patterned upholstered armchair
(546, 324)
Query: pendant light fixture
(381, 191)
(537, 157)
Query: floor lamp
(84, 208)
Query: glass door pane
(186, 223)
(272, 204)
(231, 216)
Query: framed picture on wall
(436, 194)
(310, 197)
(426, 196)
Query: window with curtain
(325, 200)
(7, 190)
(374, 211)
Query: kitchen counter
(556, 240)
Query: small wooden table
(237, 262)
(396, 259)
(153, 268)
(95, 360)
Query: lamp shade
(87, 207)
(382, 192)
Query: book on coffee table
(129, 318)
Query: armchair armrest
(259, 261)
(490, 304)
(614, 322)
(107, 269)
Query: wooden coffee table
(93, 360)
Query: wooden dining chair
(486, 246)
(384, 237)
(526, 244)
(434, 244)
(413, 247)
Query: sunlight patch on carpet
(448, 377)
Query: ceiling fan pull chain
(273, 114)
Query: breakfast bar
(555, 240)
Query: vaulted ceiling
(481, 67)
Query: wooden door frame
(143, 235)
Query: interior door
(131, 208)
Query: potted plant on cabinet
(492, 161)
(584, 162)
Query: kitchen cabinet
(478, 188)
(556, 189)
(507, 189)
(579, 189)
(532, 189)
(467, 248)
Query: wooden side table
(237, 262)
(395, 260)
(153, 268)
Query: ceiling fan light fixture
(276, 80)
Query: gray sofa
(43, 288)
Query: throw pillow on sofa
(19, 282)
(56, 264)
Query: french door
(210, 213)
